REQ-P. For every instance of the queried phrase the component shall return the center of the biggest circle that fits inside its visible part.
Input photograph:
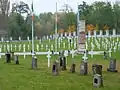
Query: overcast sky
(41, 6)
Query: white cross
(92, 53)
(85, 58)
(110, 52)
(64, 45)
(48, 56)
(52, 47)
(66, 54)
(28, 47)
(37, 47)
(73, 53)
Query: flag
(32, 11)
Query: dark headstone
(97, 69)
(64, 63)
(97, 81)
(112, 65)
(84, 68)
(16, 59)
(55, 68)
(61, 61)
(34, 63)
(8, 57)
(72, 69)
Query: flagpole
(77, 23)
(32, 31)
(78, 19)
(56, 29)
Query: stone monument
(34, 62)
(112, 65)
(97, 75)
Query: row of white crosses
(105, 42)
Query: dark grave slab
(72, 69)
(112, 65)
(61, 61)
(55, 68)
(84, 68)
(8, 57)
(97, 81)
(64, 63)
(34, 63)
(97, 69)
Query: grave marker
(55, 68)
(112, 65)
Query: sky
(41, 6)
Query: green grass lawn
(21, 77)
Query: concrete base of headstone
(97, 81)
(112, 65)
(84, 68)
(112, 70)
(72, 69)
(55, 68)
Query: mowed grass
(22, 77)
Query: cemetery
(77, 60)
